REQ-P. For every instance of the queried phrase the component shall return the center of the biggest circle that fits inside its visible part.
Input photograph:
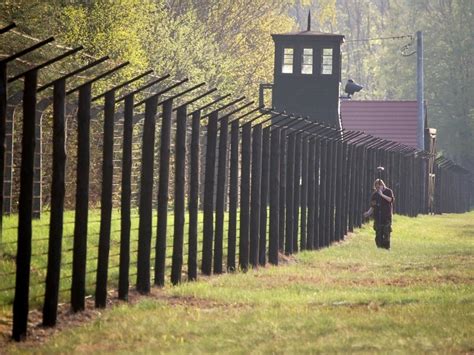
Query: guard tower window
(326, 64)
(287, 67)
(307, 62)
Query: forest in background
(227, 44)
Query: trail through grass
(353, 297)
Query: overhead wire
(404, 50)
(379, 38)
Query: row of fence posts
(294, 185)
(453, 191)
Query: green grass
(353, 297)
(40, 249)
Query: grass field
(417, 297)
(39, 257)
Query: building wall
(391, 120)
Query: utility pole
(420, 85)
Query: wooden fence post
(412, 193)
(355, 172)
(179, 195)
(194, 195)
(125, 199)
(296, 191)
(396, 177)
(262, 247)
(304, 191)
(359, 168)
(437, 189)
(78, 287)
(346, 189)
(146, 195)
(363, 182)
(50, 305)
(323, 196)
(255, 194)
(274, 228)
(163, 193)
(364, 173)
(352, 178)
(332, 157)
(209, 193)
(233, 195)
(316, 151)
(25, 207)
(312, 181)
(106, 201)
(245, 197)
(405, 187)
(415, 185)
(290, 157)
(339, 191)
(282, 198)
(220, 194)
(403, 184)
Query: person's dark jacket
(382, 208)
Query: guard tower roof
(309, 34)
(322, 35)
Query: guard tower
(307, 75)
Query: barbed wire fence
(153, 180)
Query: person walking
(381, 207)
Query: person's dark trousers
(382, 235)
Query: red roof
(391, 120)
